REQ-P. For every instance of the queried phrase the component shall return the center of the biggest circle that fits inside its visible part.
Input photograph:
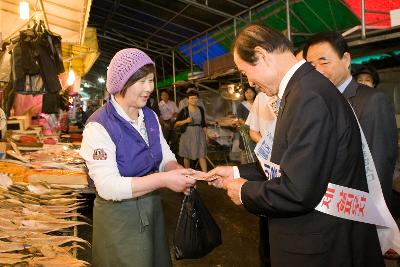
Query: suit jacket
(376, 114)
(316, 141)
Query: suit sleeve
(379, 125)
(252, 172)
(304, 175)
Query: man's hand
(217, 176)
(224, 171)
(233, 186)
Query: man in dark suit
(328, 52)
(316, 142)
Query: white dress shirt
(110, 185)
(343, 86)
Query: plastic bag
(196, 233)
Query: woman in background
(243, 111)
(193, 142)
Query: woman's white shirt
(261, 116)
(109, 183)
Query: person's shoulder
(315, 83)
(363, 89)
(371, 96)
(318, 90)
(96, 115)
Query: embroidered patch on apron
(99, 154)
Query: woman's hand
(178, 180)
(188, 120)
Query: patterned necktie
(275, 105)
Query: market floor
(239, 229)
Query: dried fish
(46, 227)
(39, 239)
(5, 180)
(27, 213)
(10, 203)
(11, 246)
(60, 201)
(7, 224)
(13, 258)
(42, 214)
(8, 213)
(61, 261)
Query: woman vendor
(128, 160)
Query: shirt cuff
(240, 194)
(236, 173)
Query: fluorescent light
(101, 80)
(71, 77)
(86, 85)
(24, 9)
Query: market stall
(42, 177)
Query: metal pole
(44, 14)
(162, 66)
(363, 33)
(155, 84)
(289, 34)
(191, 56)
(208, 62)
(173, 74)
(234, 26)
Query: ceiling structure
(194, 31)
(68, 20)
(158, 27)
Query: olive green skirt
(129, 233)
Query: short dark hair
(164, 91)
(247, 87)
(297, 51)
(259, 35)
(139, 74)
(192, 93)
(190, 88)
(335, 39)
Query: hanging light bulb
(101, 80)
(24, 9)
(71, 77)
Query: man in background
(168, 112)
(329, 53)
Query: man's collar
(344, 85)
(285, 80)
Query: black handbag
(197, 233)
